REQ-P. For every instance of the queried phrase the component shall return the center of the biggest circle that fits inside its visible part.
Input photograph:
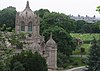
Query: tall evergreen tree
(94, 56)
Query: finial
(51, 35)
(42, 37)
(27, 5)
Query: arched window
(30, 27)
(22, 26)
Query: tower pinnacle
(51, 35)
(27, 5)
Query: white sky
(73, 7)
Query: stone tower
(52, 52)
(29, 22)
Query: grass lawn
(84, 37)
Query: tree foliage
(65, 44)
(60, 25)
(27, 61)
(7, 16)
(79, 24)
(98, 9)
(64, 41)
(7, 41)
(94, 56)
(47, 18)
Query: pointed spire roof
(27, 13)
(27, 5)
(42, 37)
(51, 42)
(51, 35)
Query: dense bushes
(27, 61)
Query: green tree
(64, 41)
(18, 67)
(6, 47)
(98, 9)
(28, 61)
(94, 56)
(63, 60)
(42, 12)
(78, 25)
(95, 27)
(7, 16)
(59, 24)
(50, 19)
(86, 28)
(65, 44)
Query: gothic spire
(51, 42)
(27, 5)
(51, 35)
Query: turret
(51, 42)
(51, 47)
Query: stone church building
(27, 21)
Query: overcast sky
(73, 7)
